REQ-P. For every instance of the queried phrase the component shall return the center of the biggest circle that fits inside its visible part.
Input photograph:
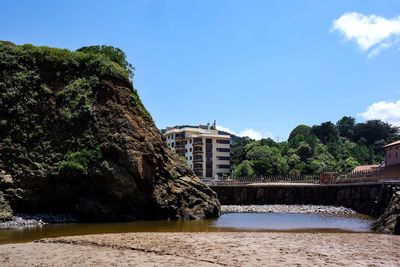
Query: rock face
(75, 138)
(5, 209)
(389, 221)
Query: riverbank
(207, 249)
(318, 209)
(34, 220)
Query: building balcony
(197, 152)
(199, 159)
(177, 146)
(197, 142)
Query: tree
(322, 154)
(267, 160)
(311, 150)
(326, 132)
(304, 151)
(113, 53)
(244, 169)
(302, 134)
(239, 148)
(348, 164)
(360, 153)
(346, 126)
(317, 166)
(375, 130)
(268, 142)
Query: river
(229, 222)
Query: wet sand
(207, 249)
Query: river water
(263, 222)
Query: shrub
(80, 160)
(75, 99)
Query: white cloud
(383, 110)
(371, 32)
(250, 132)
(222, 128)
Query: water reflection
(227, 222)
(294, 221)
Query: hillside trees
(311, 150)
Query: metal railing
(273, 179)
(323, 178)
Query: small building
(392, 153)
(207, 151)
(389, 169)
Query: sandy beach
(207, 249)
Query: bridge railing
(273, 179)
(323, 178)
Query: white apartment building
(207, 151)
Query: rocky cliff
(389, 221)
(75, 138)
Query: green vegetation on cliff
(311, 150)
(43, 89)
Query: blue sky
(257, 67)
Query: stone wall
(367, 198)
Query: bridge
(368, 197)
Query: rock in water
(389, 221)
(75, 138)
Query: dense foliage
(49, 93)
(114, 54)
(311, 150)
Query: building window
(185, 150)
(222, 166)
(223, 141)
(190, 157)
(221, 149)
(396, 154)
(224, 158)
(190, 140)
(190, 149)
(172, 144)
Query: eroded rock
(75, 138)
(389, 221)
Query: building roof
(393, 144)
(366, 168)
(197, 132)
(189, 129)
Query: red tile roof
(366, 168)
(393, 144)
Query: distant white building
(207, 151)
